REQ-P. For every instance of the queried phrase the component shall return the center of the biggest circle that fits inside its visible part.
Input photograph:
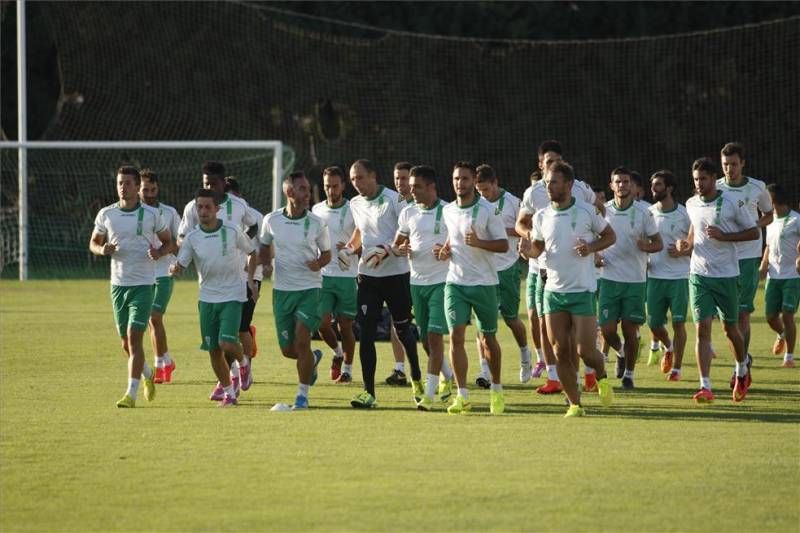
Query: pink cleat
(218, 394)
(539, 369)
(246, 376)
(229, 401)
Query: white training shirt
(535, 199)
(258, 275)
(671, 225)
(340, 228)
(376, 218)
(783, 234)
(469, 265)
(583, 191)
(134, 231)
(233, 210)
(507, 207)
(424, 228)
(172, 219)
(710, 257)
(295, 241)
(217, 257)
(753, 195)
(560, 230)
(624, 261)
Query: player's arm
(183, 261)
(764, 266)
(651, 244)
(524, 224)
(99, 246)
(750, 234)
(534, 250)
(165, 237)
(265, 259)
(442, 252)
(355, 241)
(323, 242)
(605, 238)
(401, 245)
(498, 246)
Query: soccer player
(211, 246)
(475, 234)
(235, 212)
(622, 290)
(782, 293)
(506, 206)
(135, 236)
(420, 229)
(751, 194)
(401, 174)
(247, 331)
(567, 230)
(382, 276)
(148, 192)
(717, 222)
(668, 274)
(338, 294)
(302, 247)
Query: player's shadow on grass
(715, 412)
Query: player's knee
(156, 320)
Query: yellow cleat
(575, 410)
(459, 406)
(497, 403)
(149, 387)
(606, 392)
(425, 404)
(126, 402)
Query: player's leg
(348, 346)
(210, 323)
(419, 301)
(748, 285)
(328, 296)
(370, 304)
(164, 365)
(484, 301)
(609, 312)
(657, 305)
(559, 329)
(398, 375)
(457, 313)
(679, 308)
(245, 373)
(633, 315)
(790, 298)
(397, 294)
(552, 384)
(724, 293)
(584, 325)
(230, 318)
(508, 301)
(138, 302)
(307, 320)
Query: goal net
(68, 186)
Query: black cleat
(397, 379)
(620, 367)
(627, 383)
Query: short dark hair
(425, 172)
(214, 168)
(778, 193)
(368, 165)
(637, 178)
(334, 171)
(232, 184)
(485, 173)
(563, 168)
(292, 176)
(466, 164)
(128, 170)
(733, 148)
(550, 145)
(402, 165)
(149, 175)
(207, 193)
(667, 176)
(705, 164)
(622, 170)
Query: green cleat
(425, 404)
(459, 406)
(497, 403)
(575, 410)
(445, 389)
(417, 390)
(149, 387)
(363, 400)
(606, 392)
(126, 402)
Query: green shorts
(461, 300)
(574, 303)
(163, 293)
(666, 295)
(621, 301)
(338, 296)
(291, 306)
(748, 283)
(508, 292)
(131, 307)
(711, 297)
(219, 322)
(781, 295)
(428, 303)
(534, 293)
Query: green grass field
(70, 460)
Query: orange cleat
(550, 387)
(740, 389)
(666, 362)
(703, 396)
(779, 346)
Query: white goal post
(276, 147)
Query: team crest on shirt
(741, 203)
(285, 334)
(364, 310)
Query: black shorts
(247, 310)
(394, 290)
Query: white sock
(302, 390)
(788, 357)
(230, 391)
(147, 372)
(588, 370)
(628, 374)
(166, 359)
(337, 352)
(539, 355)
(400, 367)
(245, 360)
(705, 382)
(497, 387)
(654, 345)
(431, 384)
(741, 368)
(235, 369)
(347, 369)
(621, 351)
(160, 362)
(485, 367)
(464, 393)
(525, 355)
(133, 387)
(552, 373)
(447, 370)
